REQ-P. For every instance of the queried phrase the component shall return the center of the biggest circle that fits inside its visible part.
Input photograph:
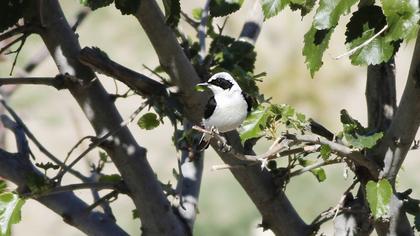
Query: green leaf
(135, 214)
(148, 121)
(319, 173)
(377, 51)
(329, 12)
(363, 141)
(379, 196)
(315, 44)
(273, 7)
(10, 12)
(172, 12)
(127, 7)
(10, 212)
(254, 124)
(3, 186)
(305, 6)
(224, 7)
(47, 166)
(95, 4)
(325, 151)
(402, 17)
(114, 178)
(196, 13)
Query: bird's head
(221, 82)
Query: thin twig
(107, 197)
(58, 82)
(74, 187)
(22, 42)
(314, 166)
(98, 142)
(353, 50)
(77, 145)
(3, 49)
(38, 144)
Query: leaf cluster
(399, 17)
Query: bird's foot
(264, 163)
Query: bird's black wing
(248, 100)
(210, 106)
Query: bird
(226, 109)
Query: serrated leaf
(329, 12)
(48, 165)
(325, 151)
(305, 6)
(127, 7)
(95, 4)
(402, 17)
(315, 44)
(148, 121)
(10, 212)
(224, 7)
(370, 16)
(377, 51)
(10, 12)
(172, 12)
(273, 7)
(363, 141)
(114, 178)
(379, 196)
(319, 173)
(254, 124)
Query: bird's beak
(201, 87)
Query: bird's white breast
(230, 111)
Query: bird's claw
(264, 163)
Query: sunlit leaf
(329, 12)
(375, 52)
(114, 178)
(325, 151)
(319, 173)
(10, 212)
(273, 7)
(315, 44)
(402, 17)
(254, 124)
(379, 196)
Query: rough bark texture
(130, 159)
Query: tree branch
(278, 213)
(188, 186)
(58, 82)
(129, 158)
(18, 168)
(100, 62)
(252, 27)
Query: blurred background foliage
(224, 208)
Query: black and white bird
(227, 108)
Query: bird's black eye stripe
(221, 82)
